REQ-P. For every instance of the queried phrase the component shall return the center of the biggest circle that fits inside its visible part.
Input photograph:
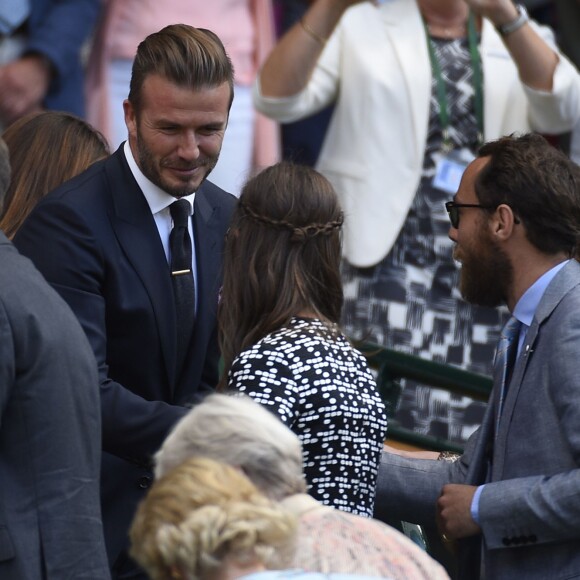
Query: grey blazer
(530, 507)
(50, 433)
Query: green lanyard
(477, 83)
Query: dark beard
(486, 276)
(151, 172)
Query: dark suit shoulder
(214, 206)
(96, 182)
(216, 197)
(88, 200)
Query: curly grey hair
(237, 431)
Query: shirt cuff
(475, 504)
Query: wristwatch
(505, 29)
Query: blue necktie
(505, 357)
(12, 14)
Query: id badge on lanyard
(453, 162)
(450, 168)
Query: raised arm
(289, 66)
(535, 59)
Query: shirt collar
(157, 198)
(528, 303)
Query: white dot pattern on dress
(322, 389)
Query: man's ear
(503, 222)
(130, 116)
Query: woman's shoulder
(300, 340)
(300, 328)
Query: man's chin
(479, 297)
(183, 187)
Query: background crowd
(143, 178)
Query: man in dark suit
(50, 431)
(514, 495)
(105, 241)
(40, 55)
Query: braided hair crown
(299, 233)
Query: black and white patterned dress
(410, 301)
(320, 387)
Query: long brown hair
(46, 149)
(282, 257)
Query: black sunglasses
(452, 208)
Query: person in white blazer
(372, 60)
(375, 65)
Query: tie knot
(180, 212)
(511, 329)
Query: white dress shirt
(159, 202)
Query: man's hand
(23, 86)
(454, 512)
(500, 12)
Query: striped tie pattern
(505, 356)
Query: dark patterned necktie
(506, 356)
(182, 277)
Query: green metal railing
(392, 366)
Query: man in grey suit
(513, 497)
(50, 430)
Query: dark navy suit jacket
(96, 242)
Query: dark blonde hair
(281, 257)
(187, 56)
(201, 515)
(46, 149)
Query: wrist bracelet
(320, 39)
(448, 456)
(505, 29)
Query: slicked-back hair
(281, 257)
(238, 431)
(46, 149)
(189, 57)
(540, 184)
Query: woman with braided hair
(278, 317)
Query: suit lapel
(138, 237)
(404, 27)
(207, 243)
